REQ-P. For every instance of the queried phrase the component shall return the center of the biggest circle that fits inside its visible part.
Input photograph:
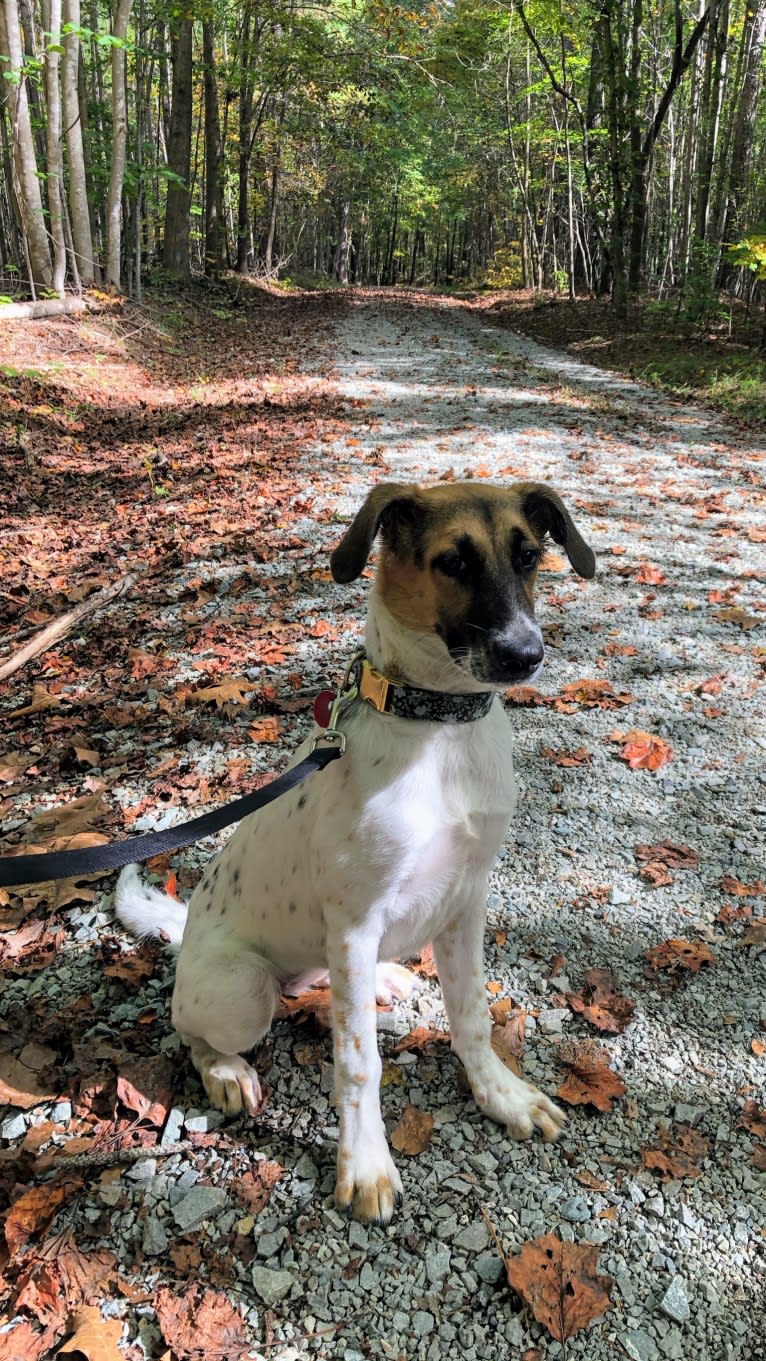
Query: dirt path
(668, 640)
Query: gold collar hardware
(373, 687)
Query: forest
(590, 147)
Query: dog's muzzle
(511, 659)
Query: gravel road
(671, 498)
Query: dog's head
(459, 561)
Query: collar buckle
(374, 687)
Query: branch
(52, 633)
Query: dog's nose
(517, 660)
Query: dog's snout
(515, 659)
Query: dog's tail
(146, 911)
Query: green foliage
(750, 254)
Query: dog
(391, 845)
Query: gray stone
(368, 1277)
(423, 1322)
(154, 1241)
(62, 1112)
(268, 1244)
(203, 1122)
(639, 1345)
(488, 1267)
(173, 1126)
(271, 1285)
(473, 1238)
(673, 1346)
(674, 1302)
(575, 1209)
(437, 1263)
(144, 1170)
(14, 1127)
(202, 1202)
(358, 1236)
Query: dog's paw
(232, 1085)
(394, 983)
(537, 1114)
(370, 1193)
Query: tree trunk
(175, 253)
(754, 40)
(246, 94)
(119, 144)
(215, 230)
(343, 250)
(78, 193)
(53, 146)
(26, 183)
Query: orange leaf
(591, 1082)
(600, 1002)
(254, 1187)
(265, 730)
(200, 1323)
(559, 1283)
(644, 751)
(34, 1210)
(678, 1155)
(731, 885)
(421, 1038)
(95, 1337)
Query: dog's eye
(528, 558)
(452, 564)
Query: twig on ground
(54, 632)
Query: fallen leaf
(41, 699)
(421, 1039)
(313, 1004)
(672, 853)
(656, 873)
(752, 1117)
(580, 757)
(647, 575)
(424, 963)
(729, 914)
(58, 1278)
(676, 955)
(413, 1133)
(600, 1002)
(559, 1283)
(592, 694)
(591, 1082)
(19, 1085)
(644, 751)
(758, 1047)
(734, 614)
(145, 1086)
(593, 1182)
(231, 690)
(200, 1324)
(265, 730)
(34, 1210)
(23, 1343)
(254, 1188)
(679, 1153)
(738, 890)
(759, 1158)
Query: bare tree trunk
(78, 193)
(26, 183)
(215, 233)
(754, 41)
(53, 146)
(119, 143)
(175, 252)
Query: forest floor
(214, 446)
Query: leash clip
(331, 736)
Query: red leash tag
(323, 707)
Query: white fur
(387, 848)
(147, 911)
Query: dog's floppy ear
(546, 512)
(386, 505)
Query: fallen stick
(52, 633)
(47, 307)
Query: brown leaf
(200, 1324)
(676, 955)
(58, 1278)
(268, 729)
(752, 1117)
(23, 1343)
(754, 935)
(671, 853)
(734, 614)
(34, 1210)
(94, 1337)
(729, 914)
(656, 873)
(19, 1084)
(41, 699)
(72, 820)
(580, 757)
(313, 1004)
(424, 963)
(413, 1133)
(559, 1283)
(231, 690)
(591, 1082)
(254, 1188)
(731, 885)
(600, 1002)
(145, 1086)
(593, 1182)
(593, 694)
(421, 1039)
(759, 1158)
(679, 1153)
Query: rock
(423, 1323)
(202, 1202)
(551, 1020)
(674, 1302)
(368, 1277)
(672, 1346)
(14, 1127)
(575, 1209)
(272, 1285)
(437, 1262)
(473, 1238)
(639, 1345)
(173, 1126)
(204, 1121)
(154, 1241)
(488, 1267)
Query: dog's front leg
(367, 1180)
(459, 955)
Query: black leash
(38, 869)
